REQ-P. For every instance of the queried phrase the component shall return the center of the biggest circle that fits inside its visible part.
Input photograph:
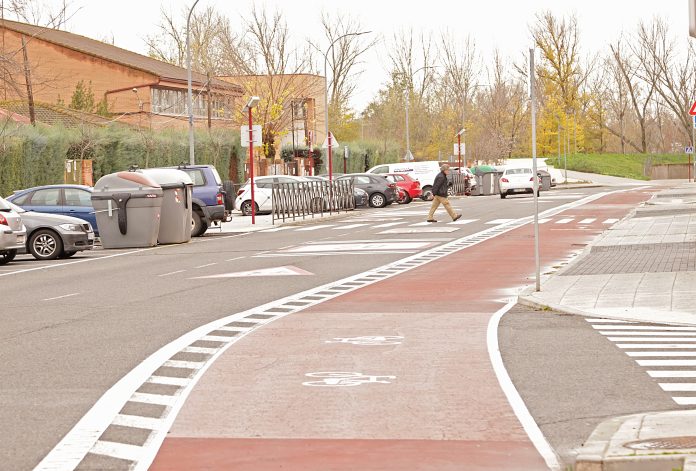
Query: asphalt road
(72, 328)
(571, 377)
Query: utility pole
(189, 99)
(408, 155)
(210, 110)
(559, 142)
(534, 171)
(27, 78)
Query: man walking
(440, 195)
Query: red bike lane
(392, 376)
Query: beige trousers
(441, 200)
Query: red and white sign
(692, 111)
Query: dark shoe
(431, 220)
(457, 217)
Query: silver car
(51, 236)
(13, 234)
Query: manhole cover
(666, 443)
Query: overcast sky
(501, 24)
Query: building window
(173, 102)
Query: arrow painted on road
(287, 270)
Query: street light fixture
(189, 100)
(253, 101)
(326, 99)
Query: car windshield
(15, 208)
(518, 171)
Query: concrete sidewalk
(240, 224)
(642, 269)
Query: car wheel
(68, 254)
(246, 208)
(45, 245)
(197, 224)
(7, 256)
(407, 199)
(378, 200)
(503, 195)
(427, 193)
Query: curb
(311, 220)
(575, 186)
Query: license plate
(90, 236)
(20, 239)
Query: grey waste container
(545, 181)
(489, 183)
(496, 182)
(127, 206)
(175, 223)
(477, 191)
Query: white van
(424, 172)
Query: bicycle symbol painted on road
(345, 378)
(369, 340)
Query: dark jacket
(440, 185)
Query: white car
(263, 192)
(517, 180)
(425, 172)
(13, 234)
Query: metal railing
(459, 185)
(302, 199)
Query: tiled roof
(112, 53)
(51, 115)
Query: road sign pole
(330, 155)
(459, 150)
(693, 130)
(534, 171)
(251, 168)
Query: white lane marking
(672, 374)
(206, 350)
(276, 229)
(666, 362)
(384, 245)
(388, 224)
(345, 379)
(117, 450)
(287, 270)
(62, 297)
(564, 221)
(461, 222)
(419, 230)
(513, 396)
(322, 254)
(652, 333)
(349, 226)
(158, 399)
(314, 228)
(608, 321)
(217, 338)
(233, 259)
(500, 221)
(420, 224)
(655, 345)
(206, 265)
(169, 380)
(679, 387)
(75, 444)
(171, 273)
(588, 221)
(137, 421)
(661, 354)
(610, 221)
(544, 220)
(646, 339)
(685, 401)
(642, 327)
(191, 365)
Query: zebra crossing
(392, 225)
(667, 352)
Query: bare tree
(460, 72)
(39, 12)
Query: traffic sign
(334, 142)
(689, 150)
(409, 156)
(692, 111)
(244, 135)
(456, 148)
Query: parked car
(208, 198)
(425, 172)
(517, 180)
(66, 200)
(263, 192)
(51, 236)
(13, 234)
(380, 192)
(410, 185)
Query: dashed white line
(666, 362)
(634, 346)
(500, 221)
(314, 228)
(685, 401)
(349, 226)
(672, 374)
(388, 224)
(646, 339)
(233, 259)
(171, 273)
(642, 327)
(117, 450)
(544, 220)
(678, 387)
(661, 354)
(588, 221)
(169, 380)
(564, 221)
(191, 365)
(158, 399)
(61, 297)
(206, 265)
(137, 421)
(610, 221)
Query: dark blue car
(69, 200)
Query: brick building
(137, 89)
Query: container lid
(167, 176)
(127, 181)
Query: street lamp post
(326, 99)
(253, 101)
(534, 170)
(409, 155)
(459, 148)
(189, 101)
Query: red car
(409, 185)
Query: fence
(302, 199)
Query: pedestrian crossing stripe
(660, 348)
